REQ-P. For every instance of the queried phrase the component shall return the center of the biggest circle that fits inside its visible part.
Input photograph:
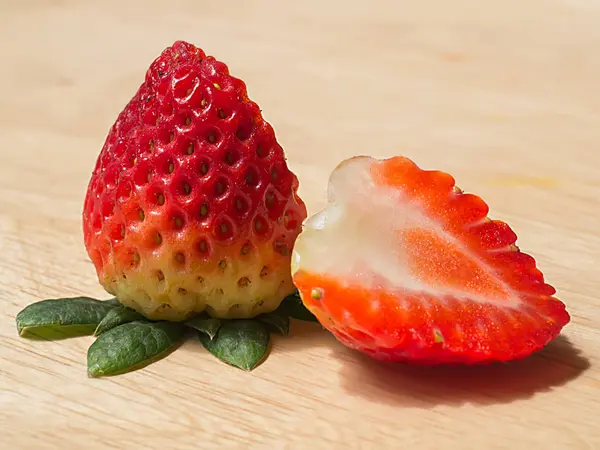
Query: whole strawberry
(404, 266)
(191, 206)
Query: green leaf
(116, 317)
(276, 321)
(113, 302)
(132, 346)
(61, 318)
(205, 324)
(240, 343)
(292, 306)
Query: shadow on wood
(303, 335)
(414, 386)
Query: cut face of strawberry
(404, 266)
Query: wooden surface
(506, 98)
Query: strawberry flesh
(404, 266)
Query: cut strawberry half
(404, 266)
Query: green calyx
(127, 341)
(62, 318)
(132, 346)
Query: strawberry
(191, 206)
(404, 266)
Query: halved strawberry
(403, 266)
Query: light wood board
(505, 96)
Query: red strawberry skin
(191, 205)
(418, 273)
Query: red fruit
(403, 266)
(191, 205)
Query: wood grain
(503, 95)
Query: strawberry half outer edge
(191, 206)
(404, 266)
